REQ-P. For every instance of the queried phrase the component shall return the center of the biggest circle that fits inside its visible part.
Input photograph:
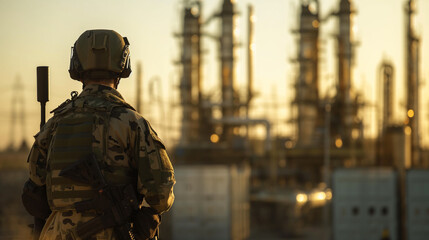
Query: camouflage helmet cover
(100, 54)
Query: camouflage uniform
(130, 150)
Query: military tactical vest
(73, 139)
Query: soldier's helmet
(100, 54)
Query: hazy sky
(37, 33)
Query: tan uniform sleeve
(38, 155)
(156, 174)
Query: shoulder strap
(66, 104)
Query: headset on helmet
(100, 54)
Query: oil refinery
(328, 175)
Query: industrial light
(318, 196)
(328, 194)
(214, 138)
(236, 130)
(301, 198)
(407, 130)
(195, 11)
(338, 142)
(312, 7)
(315, 23)
(410, 113)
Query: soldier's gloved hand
(145, 223)
(35, 200)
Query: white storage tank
(365, 204)
(417, 200)
(212, 202)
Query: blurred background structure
(333, 156)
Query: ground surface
(14, 220)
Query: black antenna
(42, 91)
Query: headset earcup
(127, 69)
(75, 69)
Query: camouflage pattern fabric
(129, 148)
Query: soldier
(98, 170)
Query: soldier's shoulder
(134, 116)
(125, 113)
(149, 130)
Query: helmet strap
(116, 83)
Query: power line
(17, 114)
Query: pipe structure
(307, 93)
(190, 84)
(327, 163)
(272, 167)
(387, 71)
(412, 82)
(227, 55)
(139, 88)
(233, 121)
(250, 49)
(385, 113)
(345, 56)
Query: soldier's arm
(34, 192)
(156, 174)
(39, 154)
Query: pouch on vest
(72, 140)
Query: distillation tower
(203, 137)
(399, 144)
(190, 83)
(389, 134)
(227, 55)
(306, 156)
(346, 126)
(387, 73)
(412, 83)
(329, 131)
(307, 94)
(345, 51)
